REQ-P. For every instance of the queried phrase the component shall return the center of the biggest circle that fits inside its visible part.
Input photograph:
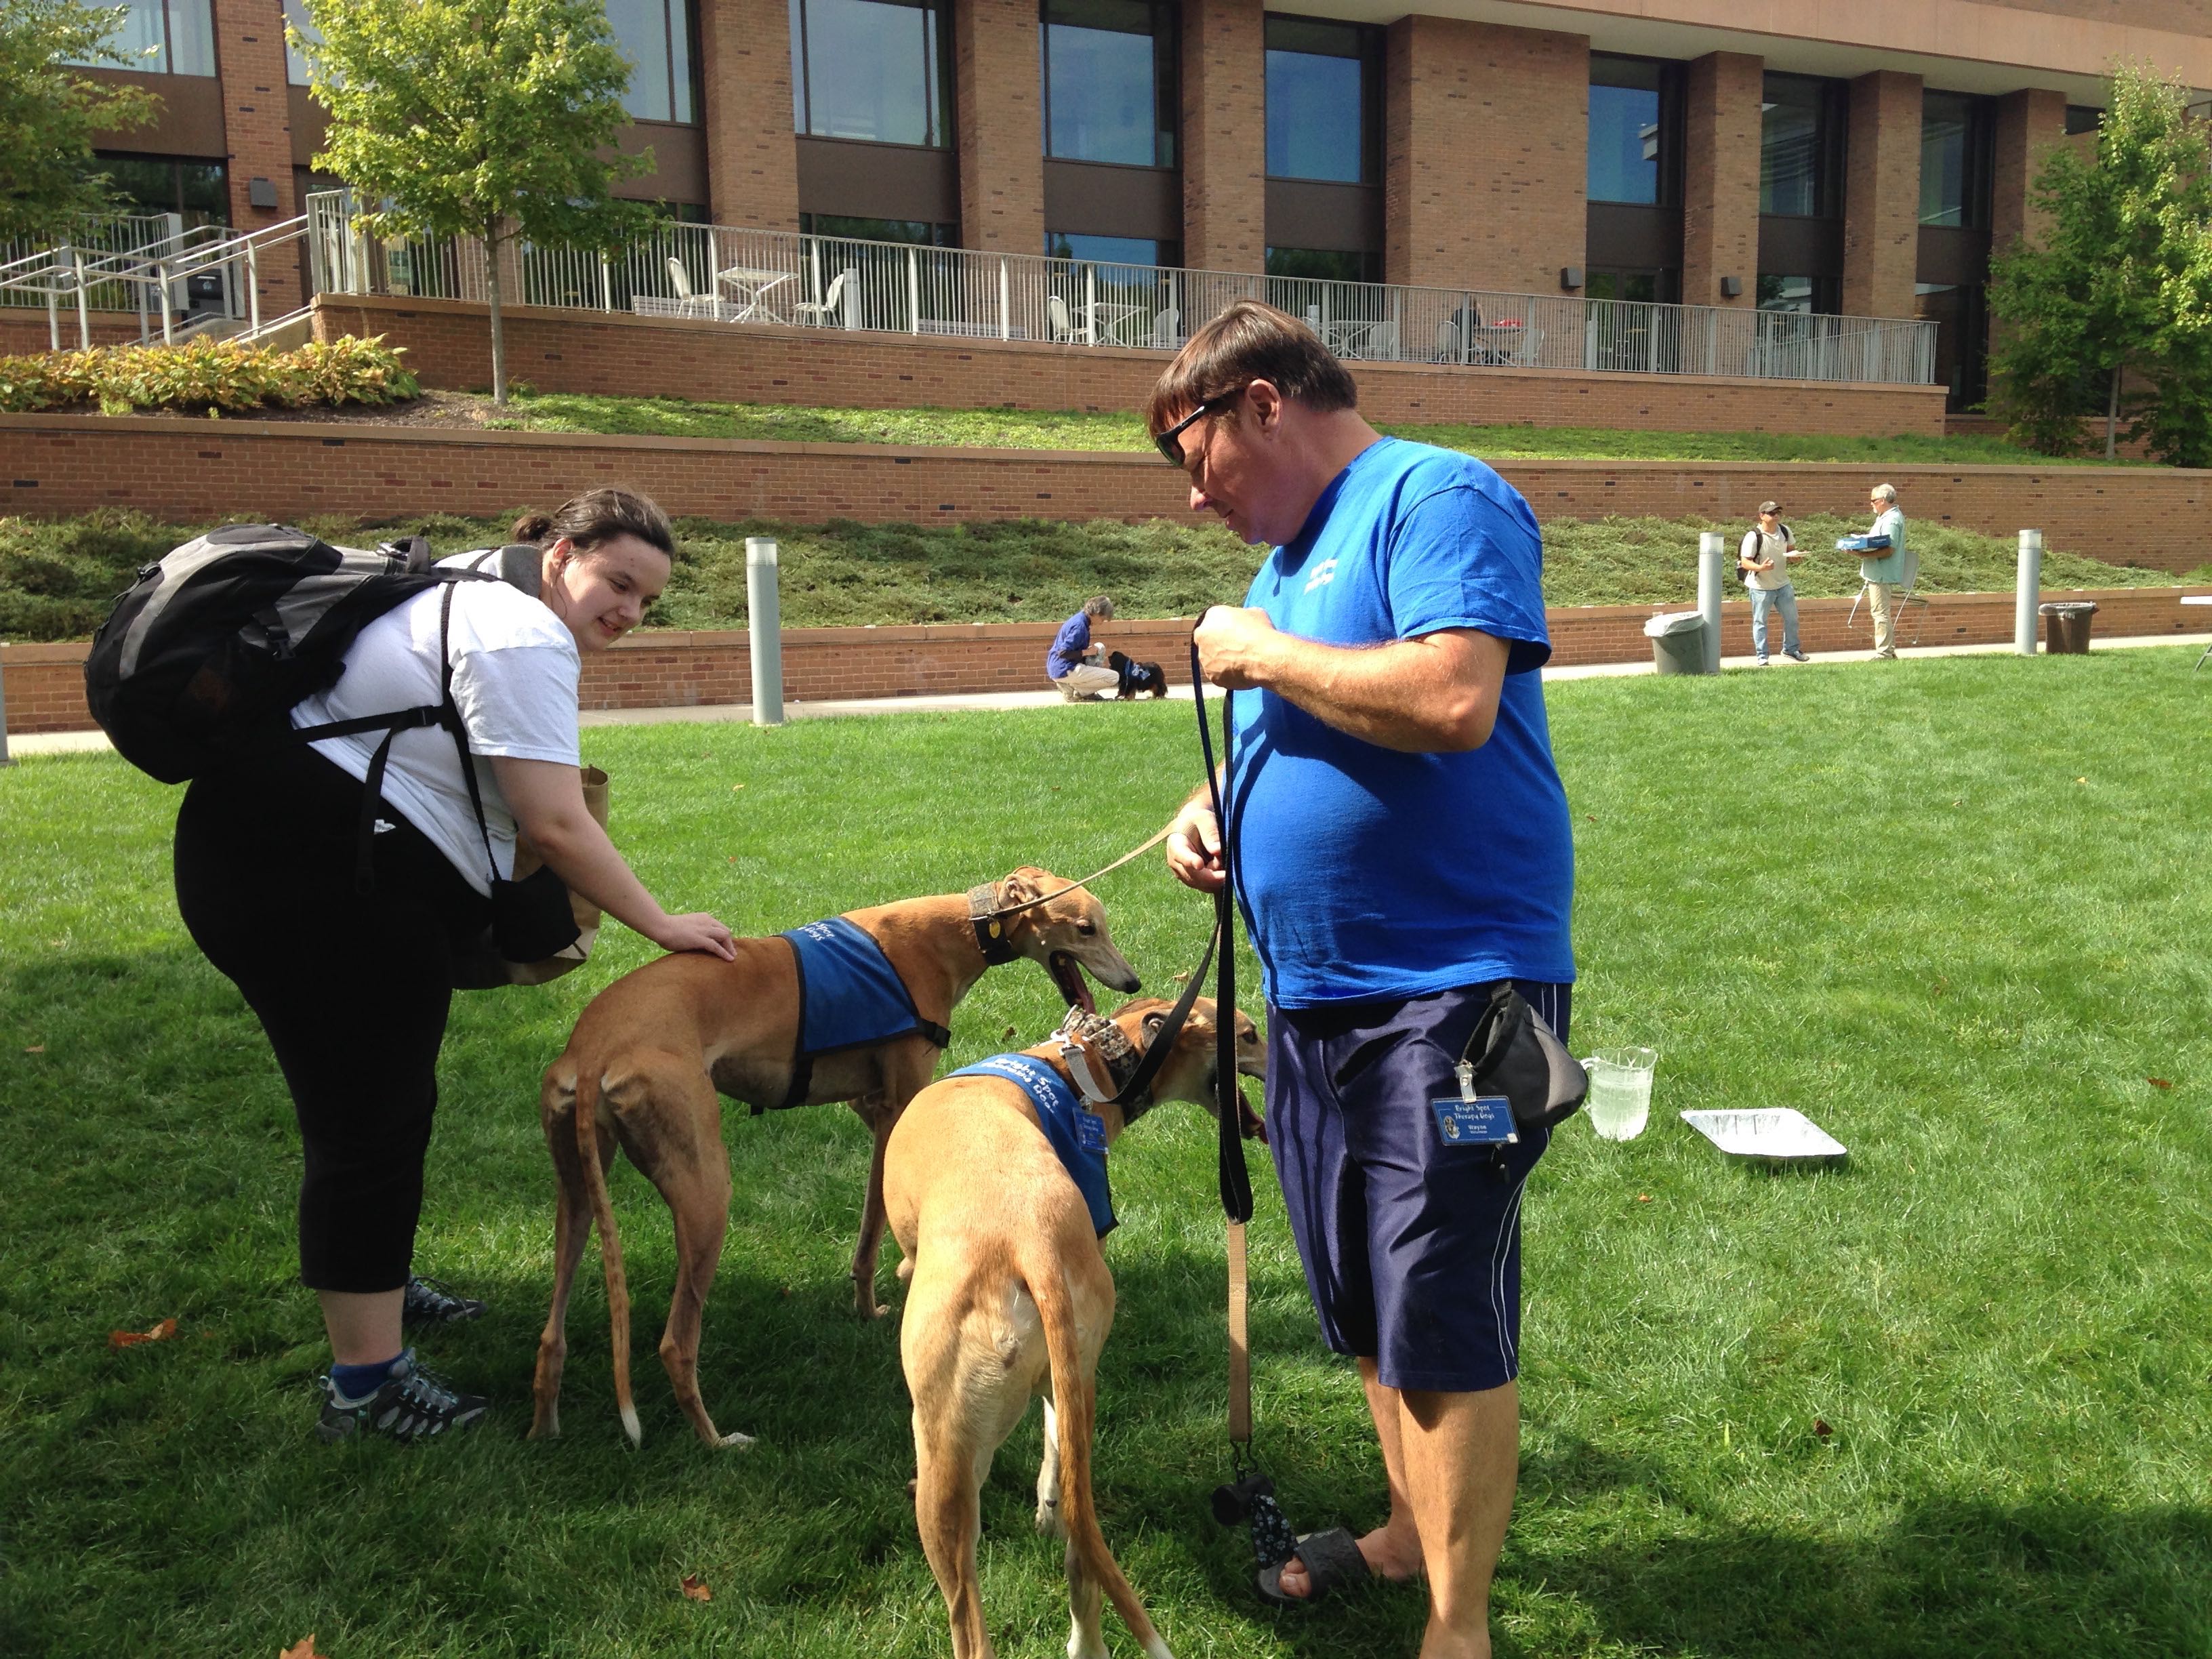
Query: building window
(1955, 158)
(1801, 295)
(1324, 264)
(1796, 148)
(1643, 286)
(1627, 134)
(1109, 81)
(295, 62)
(921, 232)
(1324, 100)
(1111, 250)
(1960, 312)
(199, 190)
(2081, 118)
(162, 37)
(878, 71)
(655, 36)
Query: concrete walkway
(61, 742)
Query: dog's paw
(735, 1442)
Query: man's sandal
(1333, 1561)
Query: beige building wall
(744, 73)
(1720, 121)
(1881, 195)
(1225, 135)
(1486, 155)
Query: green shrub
(216, 375)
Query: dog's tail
(1075, 1397)
(611, 1256)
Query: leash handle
(1236, 1178)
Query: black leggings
(352, 990)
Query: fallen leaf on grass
(735, 787)
(1821, 1428)
(694, 1588)
(2160, 1082)
(160, 1332)
(2080, 780)
(303, 1649)
(36, 1049)
(1643, 1198)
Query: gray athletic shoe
(428, 1303)
(411, 1405)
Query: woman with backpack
(338, 916)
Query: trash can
(1678, 642)
(2066, 626)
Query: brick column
(257, 124)
(1881, 195)
(1000, 114)
(745, 72)
(1225, 135)
(1720, 178)
(1486, 154)
(2028, 122)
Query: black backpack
(203, 658)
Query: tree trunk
(498, 337)
(2112, 415)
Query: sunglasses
(1170, 442)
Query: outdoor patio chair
(1907, 596)
(1059, 325)
(1381, 342)
(1167, 329)
(689, 304)
(828, 314)
(1447, 341)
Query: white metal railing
(721, 273)
(163, 279)
(124, 233)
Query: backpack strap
(450, 712)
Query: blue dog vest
(850, 997)
(1077, 1136)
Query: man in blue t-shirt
(1401, 844)
(1071, 664)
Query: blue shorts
(1411, 1247)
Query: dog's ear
(1022, 885)
(1151, 1025)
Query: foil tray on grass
(1777, 1136)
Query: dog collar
(1085, 1040)
(991, 937)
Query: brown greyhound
(1008, 1296)
(642, 1067)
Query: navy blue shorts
(1411, 1247)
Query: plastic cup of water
(1619, 1099)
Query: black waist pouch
(531, 918)
(1515, 1053)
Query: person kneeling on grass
(1072, 664)
(353, 989)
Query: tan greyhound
(642, 1067)
(1010, 1297)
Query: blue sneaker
(411, 1404)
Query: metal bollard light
(1712, 557)
(764, 629)
(2028, 590)
(5, 759)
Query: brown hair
(1250, 342)
(599, 515)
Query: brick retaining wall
(449, 345)
(179, 469)
(45, 683)
(23, 330)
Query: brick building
(1862, 159)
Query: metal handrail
(150, 272)
(731, 274)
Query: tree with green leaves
(50, 110)
(2109, 310)
(490, 118)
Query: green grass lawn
(1967, 963)
(58, 578)
(1016, 429)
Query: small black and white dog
(1137, 678)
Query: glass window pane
(192, 38)
(1623, 144)
(1107, 250)
(1324, 264)
(871, 72)
(295, 14)
(1315, 120)
(203, 189)
(146, 184)
(138, 40)
(640, 30)
(679, 61)
(1099, 85)
(1943, 130)
(1791, 141)
(800, 121)
(921, 231)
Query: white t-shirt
(1775, 547)
(515, 675)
